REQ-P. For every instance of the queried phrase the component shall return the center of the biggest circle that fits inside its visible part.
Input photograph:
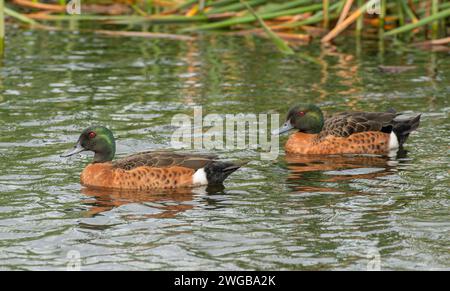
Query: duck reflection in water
(309, 173)
(169, 202)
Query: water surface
(293, 213)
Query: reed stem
(435, 24)
(280, 44)
(235, 7)
(326, 16)
(347, 22)
(201, 5)
(316, 18)
(400, 12)
(19, 16)
(345, 10)
(412, 15)
(2, 26)
(2, 19)
(382, 18)
(359, 22)
(440, 15)
(250, 18)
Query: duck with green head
(379, 133)
(146, 170)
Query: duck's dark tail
(402, 127)
(217, 172)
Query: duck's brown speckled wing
(164, 159)
(347, 123)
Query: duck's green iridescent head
(307, 118)
(98, 139)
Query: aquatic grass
(435, 24)
(400, 13)
(279, 43)
(20, 16)
(201, 5)
(270, 7)
(251, 18)
(424, 21)
(316, 18)
(138, 10)
(382, 18)
(326, 16)
(143, 34)
(235, 7)
(285, 6)
(2, 26)
(181, 6)
(346, 23)
(409, 11)
(221, 3)
(61, 7)
(397, 17)
(360, 20)
(345, 10)
(444, 6)
(160, 19)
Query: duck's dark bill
(285, 128)
(77, 149)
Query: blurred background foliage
(287, 23)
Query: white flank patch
(393, 141)
(199, 177)
(393, 144)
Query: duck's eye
(92, 134)
(301, 113)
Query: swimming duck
(379, 133)
(146, 170)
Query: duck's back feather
(164, 159)
(347, 123)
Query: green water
(290, 213)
